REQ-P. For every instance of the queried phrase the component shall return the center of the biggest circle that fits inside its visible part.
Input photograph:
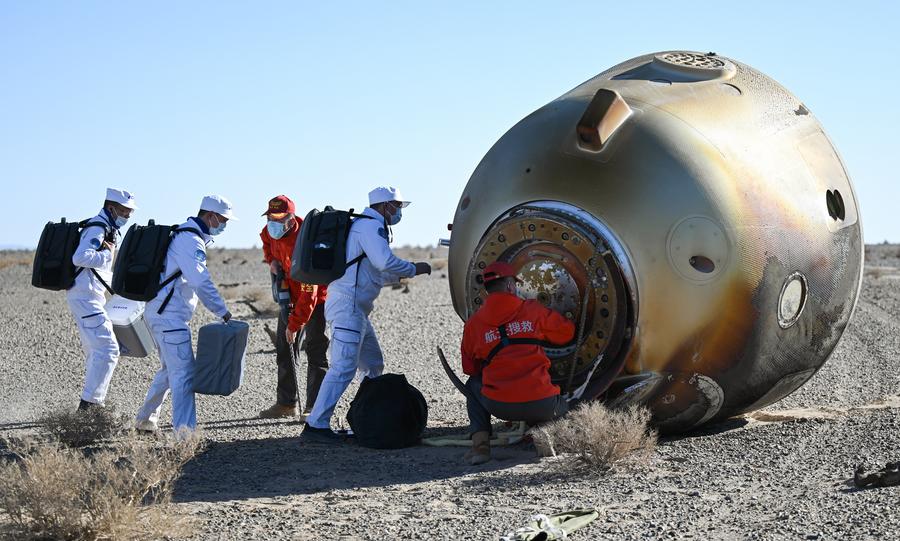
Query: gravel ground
(781, 473)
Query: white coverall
(171, 330)
(87, 298)
(350, 300)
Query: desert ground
(781, 473)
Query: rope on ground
(509, 437)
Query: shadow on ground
(267, 468)
(283, 466)
(724, 426)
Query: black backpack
(320, 254)
(53, 268)
(142, 260)
(388, 413)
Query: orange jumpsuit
(518, 373)
(304, 297)
(309, 311)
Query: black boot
(85, 405)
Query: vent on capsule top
(693, 60)
(683, 67)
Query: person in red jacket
(502, 353)
(307, 310)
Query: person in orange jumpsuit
(502, 353)
(307, 310)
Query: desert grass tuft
(87, 427)
(595, 437)
(120, 491)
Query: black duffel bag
(388, 413)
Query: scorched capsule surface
(691, 216)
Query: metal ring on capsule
(569, 261)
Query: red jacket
(304, 297)
(518, 373)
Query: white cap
(383, 194)
(219, 205)
(126, 199)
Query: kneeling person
(501, 352)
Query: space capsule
(694, 220)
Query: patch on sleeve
(95, 243)
(383, 233)
(200, 256)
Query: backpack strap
(355, 260)
(171, 292)
(363, 255)
(82, 225)
(506, 341)
(177, 273)
(358, 258)
(102, 281)
(193, 230)
(352, 214)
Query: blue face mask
(120, 221)
(396, 216)
(217, 229)
(276, 229)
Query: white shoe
(145, 426)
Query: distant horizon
(12, 248)
(23, 248)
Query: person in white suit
(87, 296)
(354, 346)
(170, 312)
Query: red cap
(497, 270)
(281, 204)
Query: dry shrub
(874, 272)
(231, 293)
(252, 293)
(11, 259)
(598, 438)
(258, 294)
(87, 427)
(438, 264)
(123, 491)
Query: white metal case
(132, 332)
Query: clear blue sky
(323, 100)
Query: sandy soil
(781, 473)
